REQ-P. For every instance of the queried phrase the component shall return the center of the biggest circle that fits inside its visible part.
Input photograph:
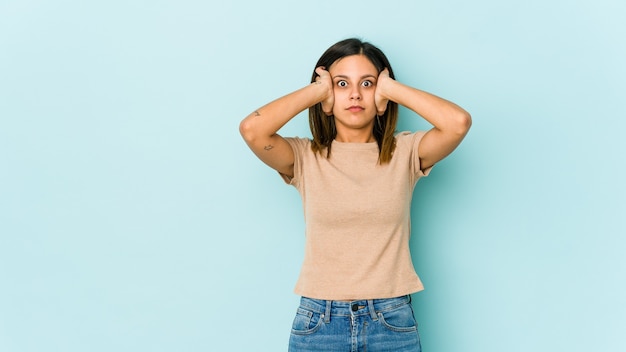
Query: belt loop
(327, 312)
(370, 305)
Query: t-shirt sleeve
(299, 146)
(413, 141)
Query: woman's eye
(342, 84)
(367, 83)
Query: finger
(320, 70)
(327, 107)
(382, 107)
(384, 73)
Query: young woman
(356, 179)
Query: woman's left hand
(380, 98)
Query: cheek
(369, 95)
(339, 93)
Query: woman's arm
(260, 128)
(450, 121)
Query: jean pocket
(400, 319)
(306, 322)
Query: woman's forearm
(442, 114)
(267, 120)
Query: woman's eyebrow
(362, 77)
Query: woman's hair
(323, 127)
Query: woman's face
(354, 81)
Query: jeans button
(355, 307)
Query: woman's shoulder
(299, 140)
(299, 143)
(408, 137)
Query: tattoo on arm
(268, 147)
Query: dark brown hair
(323, 127)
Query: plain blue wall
(134, 218)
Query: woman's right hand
(323, 78)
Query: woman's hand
(380, 99)
(323, 78)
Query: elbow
(246, 130)
(463, 122)
(253, 131)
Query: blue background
(134, 218)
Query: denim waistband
(370, 307)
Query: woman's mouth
(355, 108)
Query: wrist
(387, 88)
(320, 91)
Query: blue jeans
(366, 325)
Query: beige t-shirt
(357, 216)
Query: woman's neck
(355, 136)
